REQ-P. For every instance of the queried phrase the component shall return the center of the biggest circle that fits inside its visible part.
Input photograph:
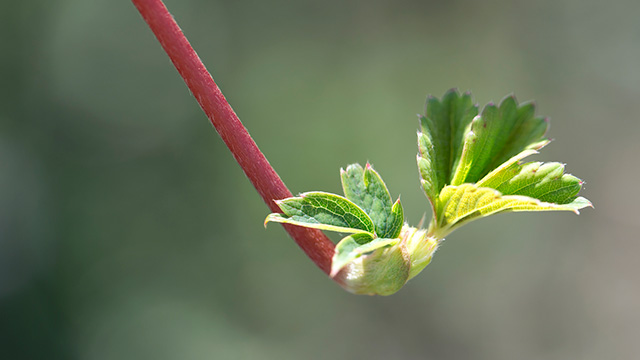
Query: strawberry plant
(470, 165)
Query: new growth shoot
(470, 166)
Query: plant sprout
(470, 166)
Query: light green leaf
(325, 211)
(440, 140)
(496, 135)
(395, 220)
(463, 203)
(354, 246)
(365, 188)
(503, 173)
(543, 181)
(420, 247)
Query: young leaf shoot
(470, 164)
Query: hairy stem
(254, 164)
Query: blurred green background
(127, 231)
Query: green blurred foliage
(127, 231)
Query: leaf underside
(463, 203)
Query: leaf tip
(539, 145)
(581, 203)
(396, 204)
(511, 97)
(453, 90)
(588, 204)
(268, 219)
(531, 103)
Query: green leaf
(440, 140)
(354, 246)
(496, 135)
(463, 203)
(543, 181)
(527, 132)
(365, 188)
(396, 220)
(323, 211)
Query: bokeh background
(127, 231)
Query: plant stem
(254, 164)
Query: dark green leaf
(323, 211)
(495, 136)
(365, 188)
(441, 139)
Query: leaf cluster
(470, 164)
(366, 212)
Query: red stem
(254, 164)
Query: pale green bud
(384, 271)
